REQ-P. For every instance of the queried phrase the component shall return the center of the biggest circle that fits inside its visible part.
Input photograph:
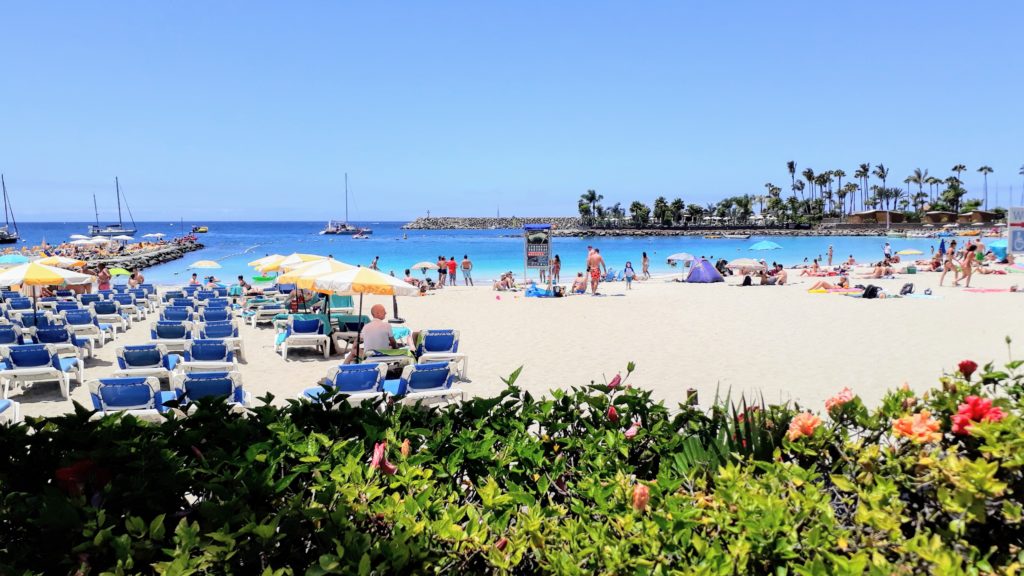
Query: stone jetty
(146, 258)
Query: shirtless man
(595, 264)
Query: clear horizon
(255, 112)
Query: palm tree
(808, 175)
(592, 198)
(882, 173)
(676, 207)
(958, 169)
(791, 166)
(985, 171)
(798, 186)
(640, 213)
(862, 173)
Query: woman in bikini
(645, 267)
(968, 264)
(949, 264)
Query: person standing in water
(829, 254)
(645, 267)
(556, 267)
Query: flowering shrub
(921, 484)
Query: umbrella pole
(397, 319)
(360, 324)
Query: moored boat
(8, 236)
(118, 229)
(737, 236)
(713, 237)
(342, 227)
(200, 229)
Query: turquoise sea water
(233, 244)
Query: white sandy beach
(780, 341)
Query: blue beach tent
(703, 272)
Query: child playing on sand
(628, 273)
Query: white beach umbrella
(123, 238)
(745, 263)
(681, 257)
(154, 235)
(82, 242)
(100, 240)
(79, 237)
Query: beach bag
(871, 291)
(747, 281)
(907, 289)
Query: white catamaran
(7, 235)
(118, 229)
(339, 227)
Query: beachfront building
(877, 217)
(978, 217)
(939, 217)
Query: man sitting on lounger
(376, 335)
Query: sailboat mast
(4, 184)
(346, 197)
(117, 186)
(96, 210)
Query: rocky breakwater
(473, 223)
(146, 258)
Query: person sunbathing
(812, 271)
(826, 285)
(781, 277)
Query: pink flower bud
(615, 381)
(380, 459)
(633, 431)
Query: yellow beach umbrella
(304, 275)
(364, 281)
(269, 259)
(61, 262)
(205, 264)
(35, 274)
(290, 261)
(909, 252)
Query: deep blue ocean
(233, 244)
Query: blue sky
(251, 110)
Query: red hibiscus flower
(967, 367)
(613, 414)
(975, 409)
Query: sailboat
(6, 235)
(118, 229)
(339, 227)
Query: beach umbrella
(123, 238)
(78, 237)
(765, 245)
(949, 225)
(100, 240)
(8, 259)
(681, 257)
(61, 262)
(268, 259)
(82, 242)
(205, 264)
(34, 274)
(745, 263)
(154, 235)
(290, 261)
(424, 266)
(909, 252)
(304, 275)
(119, 272)
(363, 281)
(942, 246)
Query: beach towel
(986, 290)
